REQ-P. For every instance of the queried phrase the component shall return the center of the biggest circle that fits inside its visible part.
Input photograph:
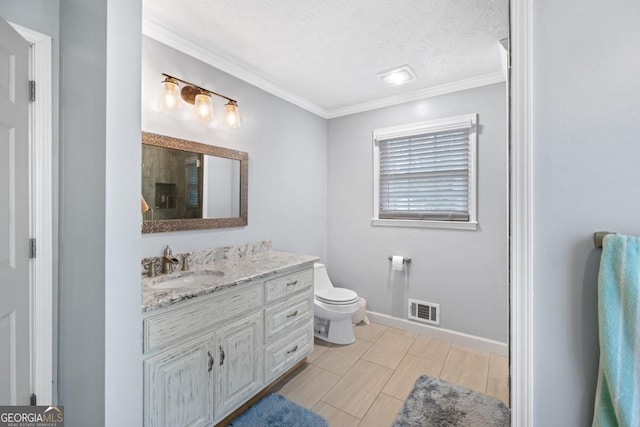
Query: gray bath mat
(438, 403)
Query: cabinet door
(240, 362)
(179, 385)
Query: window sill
(412, 223)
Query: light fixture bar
(200, 88)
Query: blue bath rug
(274, 410)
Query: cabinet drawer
(167, 327)
(286, 352)
(289, 284)
(287, 316)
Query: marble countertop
(220, 274)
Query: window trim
(449, 123)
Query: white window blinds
(426, 174)
(191, 179)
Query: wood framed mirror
(187, 185)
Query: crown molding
(163, 35)
(430, 92)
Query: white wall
(287, 158)
(586, 124)
(122, 293)
(221, 199)
(464, 271)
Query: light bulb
(202, 107)
(170, 98)
(232, 115)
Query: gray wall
(44, 16)
(464, 271)
(586, 150)
(82, 206)
(100, 378)
(287, 157)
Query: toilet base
(334, 331)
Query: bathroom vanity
(217, 334)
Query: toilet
(332, 309)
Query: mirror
(190, 186)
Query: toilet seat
(336, 296)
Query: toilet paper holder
(405, 260)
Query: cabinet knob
(221, 355)
(295, 282)
(210, 361)
(293, 350)
(295, 313)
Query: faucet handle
(151, 268)
(185, 261)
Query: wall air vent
(426, 312)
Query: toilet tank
(320, 277)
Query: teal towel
(617, 400)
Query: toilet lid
(336, 296)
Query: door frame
(521, 213)
(40, 215)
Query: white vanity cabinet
(206, 356)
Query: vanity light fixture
(199, 97)
(398, 76)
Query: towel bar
(598, 236)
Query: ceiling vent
(426, 312)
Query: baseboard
(466, 340)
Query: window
(191, 177)
(424, 174)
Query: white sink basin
(191, 281)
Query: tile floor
(366, 383)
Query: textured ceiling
(329, 52)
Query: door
(14, 214)
(179, 385)
(240, 362)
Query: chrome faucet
(168, 261)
